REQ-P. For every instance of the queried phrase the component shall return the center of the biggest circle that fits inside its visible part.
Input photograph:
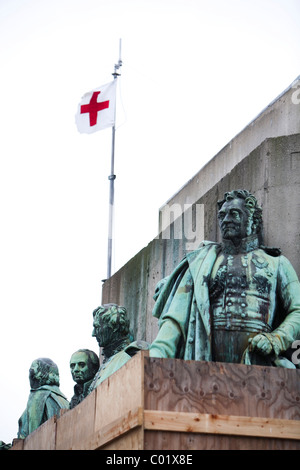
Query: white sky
(194, 74)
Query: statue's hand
(261, 344)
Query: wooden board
(169, 440)
(121, 392)
(219, 388)
(76, 425)
(43, 437)
(17, 444)
(221, 424)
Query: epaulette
(271, 250)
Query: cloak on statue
(183, 305)
(43, 403)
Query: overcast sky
(194, 74)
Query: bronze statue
(83, 364)
(111, 329)
(237, 301)
(45, 398)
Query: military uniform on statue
(237, 301)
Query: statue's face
(79, 365)
(234, 220)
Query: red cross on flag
(96, 110)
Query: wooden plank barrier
(221, 424)
(170, 404)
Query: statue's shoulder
(42, 390)
(271, 251)
(205, 244)
(52, 389)
(136, 346)
(204, 247)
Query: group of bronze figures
(112, 331)
(237, 301)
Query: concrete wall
(265, 159)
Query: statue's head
(110, 324)
(83, 364)
(43, 371)
(239, 215)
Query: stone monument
(236, 301)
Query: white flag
(96, 110)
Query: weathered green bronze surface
(45, 398)
(83, 364)
(237, 301)
(111, 329)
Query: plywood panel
(121, 392)
(168, 440)
(43, 438)
(219, 388)
(76, 425)
(112, 431)
(17, 444)
(221, 424)
(133, 440)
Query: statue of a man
(83, 364)
(111, 329)
(45, 398)
(237, 301)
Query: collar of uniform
(115, 347)
(82, 388)
(247, 244)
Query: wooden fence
(171, 404)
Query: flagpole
(112, 178)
